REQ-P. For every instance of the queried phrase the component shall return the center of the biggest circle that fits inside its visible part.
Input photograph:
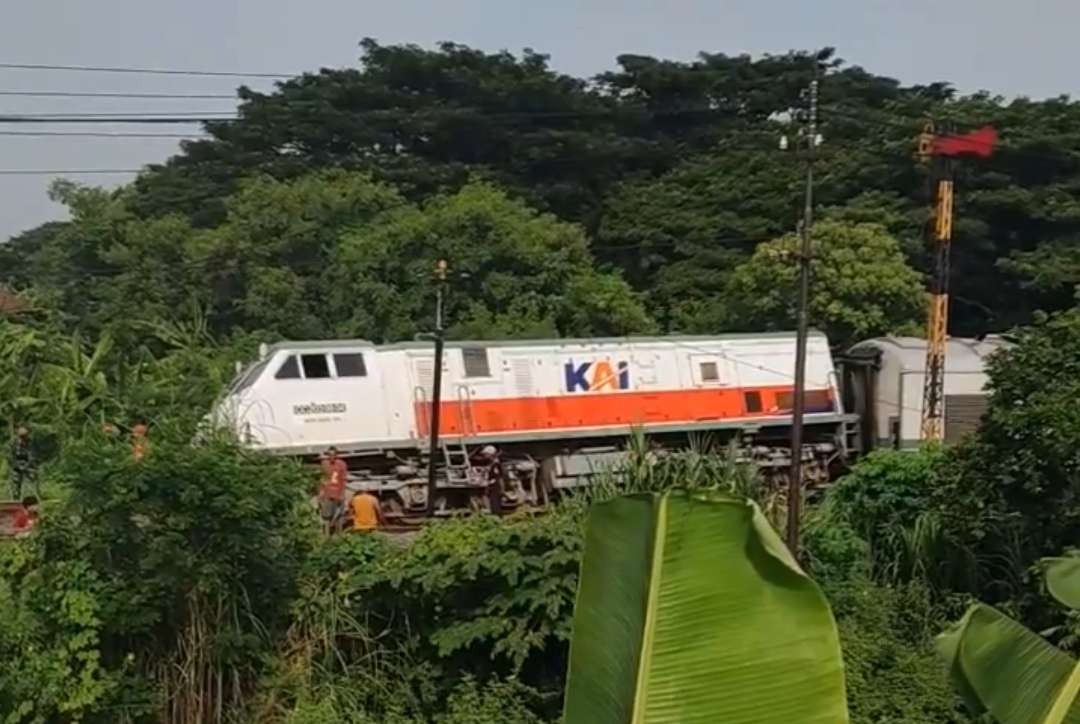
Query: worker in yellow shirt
(366, 514)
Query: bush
(496, 702)
(172, 575)
(480, 596)
(893, 674)
(1013, 493)
(885, 490)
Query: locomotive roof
(564, 341)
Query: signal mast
(939, 152)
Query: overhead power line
(118, 118)
(103, 134)
(66, 172)
(110, 94)
(122, 115)
(142, 71)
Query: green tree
(1013, 492)
(423, 120)
(149, 586)
(270, 263)
(862, 286)
(514, 273)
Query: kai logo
(596, 376)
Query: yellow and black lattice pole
(937, 322)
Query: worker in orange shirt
(332, 490)
(366, 515)
(139, 442)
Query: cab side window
(289, 370)
(315, 366)
(350, 364)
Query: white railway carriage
(555, 409)
(884, 380)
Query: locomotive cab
(307, 396)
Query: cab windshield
(248, 377)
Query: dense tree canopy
(671, 169)
(333, 253)
(862, 287)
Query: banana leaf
(1063, 580)
(1001, 667)
(691, 609)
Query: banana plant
(691, 609)
(1002, 668)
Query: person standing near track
(20, 461)
(332, 490)
(139, 444)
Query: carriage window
(289, 370)
(476, 362)
(350, 364)
(710, 372)
(315, 366)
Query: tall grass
(705, 464)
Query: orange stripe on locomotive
(620, 409)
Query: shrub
(172, 574)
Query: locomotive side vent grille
(475, 360)
(523, 382)
(425, 376)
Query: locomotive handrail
(423, 417)
(468, 421)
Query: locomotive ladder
(456, 462)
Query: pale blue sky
(1006, 47)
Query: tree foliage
(334, 253)
(148, 583)
(862, 285)
(1013, 492)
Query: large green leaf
(1063, 580)
(1002, 668)
(690, 609)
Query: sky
(1008, 48)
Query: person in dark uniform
(21, 461)
(487, 460)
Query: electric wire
(118, 94)
(103, 134)
(143, 71)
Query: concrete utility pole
(794, 495)
(436, 384)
